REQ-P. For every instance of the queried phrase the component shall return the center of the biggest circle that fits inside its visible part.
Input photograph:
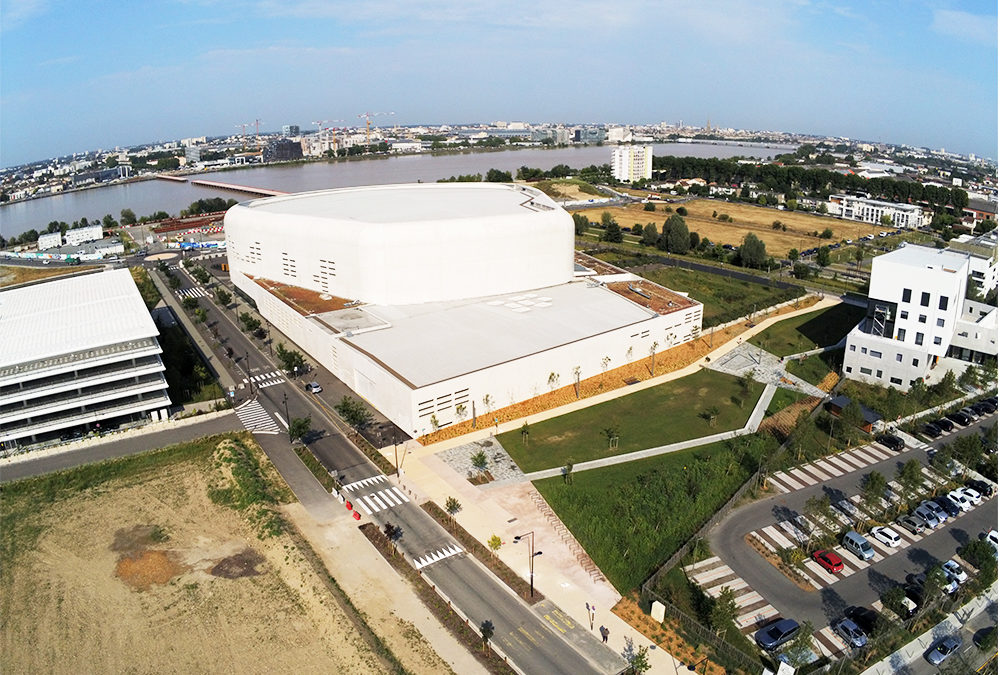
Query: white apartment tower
(916, 310)
(631, 163)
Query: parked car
(778, 633)
(959, 500)
(866, 618)
(985, 407)
(971, 413)
(991, 537)
(829, 561)
(972, 495)
(982, 487)
(911, 524)
(927, 515)
(915, 594)
(950, 507)
(886, 536)
(851, 633)
(314, 388)
(894, 443)
(920, 579)
(931, 430)
(858, 545)
(959, 418)
(944, 424)
(936, 509)
(942, 649)
(954, 571)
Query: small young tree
(392, 533)
(724, 610)
(480, 462)
(872, 492)
(524, 434)
(223, 296)
(800, 648)
(290, 359)
(636, 657)
(494, 543)
(553, 381)
(568, 473)
(190, 304)
(486, 630)
(299, 427)
(452, 506)
(354, 413)
(910, 476)
(576, 380)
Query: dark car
(894, 443)
(829, 561)
(944, 424)
(982, 487)
(931, 430)
(950, 507)
(985, 407)
(959, 418)
(865, 617)
(778, 633)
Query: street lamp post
(531, 557)
(284, 399)
(246, 355)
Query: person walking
(604, 634)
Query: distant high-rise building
(290, 130)
(631, 163)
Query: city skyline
(900, 72)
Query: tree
(291, 359)
(649, 235)
(190, 304)
(299, 427)
(752, 252)
(823, 256)
(793, 255)
(223, 296)
(682, 211)
(494, 543)
(678, 238)
(801, 270)
(650, 206)
(695, 240)
(934, 583)
(250, 324)
(486, 630)
(724, 610)
(910, 476)
(872, 492)
(799, 650)
(480, 461)
(612, 232)
(580, 224)
(452, 506)
(354, 412)
(817, 508)
(497, 176)
(568, 473)
(885, 220)
(127, 217)
(791, 204)
(392, 533)
(826, 234)
(637, 657)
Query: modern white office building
(437, 302)
(631, 163)
(79, 235)
(917, 315)
(982, 252)
(49, 240)
(77, 353)
(850, 207)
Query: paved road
(822, 607)
(109, 449)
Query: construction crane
(256, 124)
(319, 124)
(368, 127)
(244, 126)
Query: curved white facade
(405, 244)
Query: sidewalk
(913, 651)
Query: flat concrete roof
(68, 315)
(409, 203)
(432, 342)
(923, 256)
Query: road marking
(554, 624)
(361, 506)
(363, 482)
(437, 556)
(283, 422)
(256, 419)
(829, 468)
(196, 292)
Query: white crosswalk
(266, 380)
(375, 494)
(436, 556)
(196, 292)
(256, 419)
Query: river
(146, 197)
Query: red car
(829, 561)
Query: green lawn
(815, 367)
(809, 331)
(648, 418)
(631, 517)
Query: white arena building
(437, 302)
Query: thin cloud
(17, 12)
(965, 26)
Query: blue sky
(85, 74)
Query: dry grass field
(757, 219)
(145, 572)
(11, 275)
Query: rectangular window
(875, 355)
(937, 340)
(900, 334)
(943, 302)
(940, 323)
(849, 369)
(866, 371)
(878, 374)
(925, 299)
(899, 358)
(906, 295)
(915, 363)
(922, 318)
(920, 338)
(864, 350)
(904, 315)
(854, 348)
(895, 380)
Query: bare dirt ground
(147, 574)
(11, 275)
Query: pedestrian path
(436, 556)
(266, 380)
(196, 292)
(375, 494)
(822, 470)
(256, 419)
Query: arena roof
(477, 334)
(409, 203)
(71, 315)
